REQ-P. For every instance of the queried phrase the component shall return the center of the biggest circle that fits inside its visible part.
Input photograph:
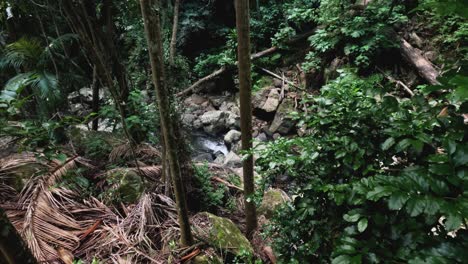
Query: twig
(228, 184)
(193, 87)
(281, 78)
(400, 83)
(90, 230)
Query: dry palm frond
(41, 217)
(143, 151)
(135, 238)
(14, 162)
(6, 193)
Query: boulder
(195, 99)
(233, 120)
(233, 160)
(232, 136)
(188, 119)
(272, 200)
(214, 121)
(221, 232)
(272, 102)
(211, 117)
(266, 102)
(283, 123)
(203, 157)
(127, 186)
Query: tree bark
(174, 32)
(421, 64)
(95, 106)
(245, 84)
(151, 18)
(12, 248)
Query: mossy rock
(221, 233)
(206, 259)
(127, 186)
(94, 144)
(272, 200)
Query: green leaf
(397, 201)
(352, 217)
(415, 206)
(453, 222)
(460, 156)
(342, 259)
(403, 145)
(362, 225)
(388, 143)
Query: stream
(203, 143)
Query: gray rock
(233, 160)
(197, 124)
(233, 121)
(188, 119)
(276, 136)
(203, 157)
(212, 117)
(262, 137)
(195, 99)
(272, 102)
(282, 123)
(219, 159)
(277, 83)
(232, 136)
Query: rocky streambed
(215, 121)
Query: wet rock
(232, 136)
(233, 160)
(221, 232)
(283, 123)
(272, 200)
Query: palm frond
(25, 52)
(124, 151)
(46, 86)
(56, 45)
(15, 86)
(40, 217)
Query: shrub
(379, 179)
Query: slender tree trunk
(245, 83)
(175, 25)
(151, 18)
(95, 103)
(13, 250)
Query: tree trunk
(245, 83)
(95, 103)
(12, 248)
(421, 64)
(153, 35)
(174, 32)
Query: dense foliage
(379, 178)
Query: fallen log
(193, 88)
(422, 65)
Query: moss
(272, 199)
(224, 234)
